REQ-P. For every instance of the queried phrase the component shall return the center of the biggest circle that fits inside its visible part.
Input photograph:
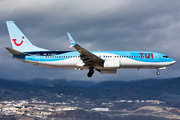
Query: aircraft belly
(140, 64)
(60, 63)
(68, 63)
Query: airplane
(105, 62)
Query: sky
(117, 25)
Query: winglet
(71, 40)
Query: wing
(87, 57)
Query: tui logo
(18, 44)
(147, 56)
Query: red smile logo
(17, 43)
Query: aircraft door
(37, 57)
(156, 57)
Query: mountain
(122, 84)
(59, 82)
(125, 94)
(167, 90)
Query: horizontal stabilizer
(15, 52)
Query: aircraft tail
(19, 41)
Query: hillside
(167, 90)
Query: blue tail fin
(19, 41)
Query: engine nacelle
(112, 64)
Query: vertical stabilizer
(19, 41)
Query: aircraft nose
(172, 61)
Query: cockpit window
(165, 56)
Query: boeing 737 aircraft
(105, 62)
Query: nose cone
(172, 61)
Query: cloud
(106, 25)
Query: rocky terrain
(133, 100)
